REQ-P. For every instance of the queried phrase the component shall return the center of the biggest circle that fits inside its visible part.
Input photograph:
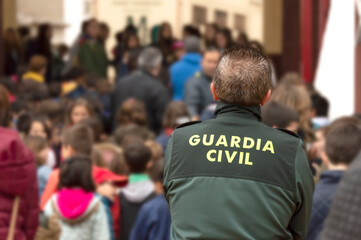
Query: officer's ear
(266, 97)
(214, 93)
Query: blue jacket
(322, 200)
(153, 221)
(181, 71)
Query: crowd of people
(81, 157)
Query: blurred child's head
(38, 127)
(320, 105)
(38, 64)
(24, 123)
(80, 110)
(156, 175)
(39, 148)
(118, 164)
(76, 172)
(96, 126)
(127, 134)
(156, 150)
(175, 114)
(343, 141)
(53, 110)
(137, 156)
(278, 115)
(77, 139)
(132, 111)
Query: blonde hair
(297, 98)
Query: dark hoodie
(17, 178)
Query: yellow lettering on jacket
(194, 140)
(268, 147)
(209, 157)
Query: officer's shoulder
(187, 124)
(289, 132)
(197, 75)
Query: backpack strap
(14, 215)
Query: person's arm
(32, 210)
(167, 160)
(304, 189)
(192, 98)
(50, 188)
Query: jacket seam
(233, 177)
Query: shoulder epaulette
(197, 74)
(289, 132)
(188, 124)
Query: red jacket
(17, 178)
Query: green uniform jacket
(233, 177)
(92, 58)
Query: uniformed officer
(233, 177)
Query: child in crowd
(76, 140)
(319, 112)
(132, 111)
(73, 86)
(80, 211)
(153, 221)
(175, 114)
(80, 110)
(140, 188)
(278, 115)
(40, 150)
(343, 143)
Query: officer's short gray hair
(243, 76)
(149, 58)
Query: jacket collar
(331, 176)
(253, 112)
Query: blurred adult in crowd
(198, 93)
(189, 30)
(12, 52)
(104, 32)
(24, 37)
(118, 49)
(165, 42)
(224, 39)
(91, 55)
(41, 45)
(129, 54)
(143, 85)
(18, 187)
(242, 39)
(186, 67)
(210, 35)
